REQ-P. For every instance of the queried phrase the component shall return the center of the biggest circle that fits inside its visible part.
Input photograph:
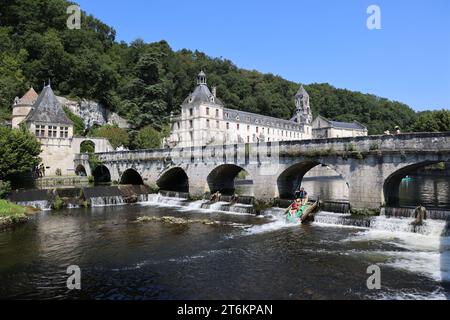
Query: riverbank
(11, 214)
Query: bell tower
(304, 114)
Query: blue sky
(306, 41)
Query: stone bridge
(372, 167)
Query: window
(64, 132)
(178, 125)
(217, 113)
(228, 126)
(40, 131)
(191, 124)
(257, 129)
(248, 139)
(191, 112)
(248, 128)
(208, 124)
(237, 127)
(192, 136)
(207, 111)
(52, 132)
(217, 124)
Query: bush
(58, 204)
(115, 135)
(5, 189)
(148, 138)
(58, 172)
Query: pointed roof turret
(28, 99)
(302, 92)
(47, 109)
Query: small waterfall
(431, 227)
(107, 201)
(437, 214)
(222, 206)
(331, 218)
(159, 199)
(42, 205)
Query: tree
(19, 150)
(433, 121)
(148, 138)
(115, 135)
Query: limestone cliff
(93, 113)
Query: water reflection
(431, 191)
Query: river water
(239, 257)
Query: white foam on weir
(43, 205)
(424, 254)
(278, 222)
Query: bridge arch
(174, 179)
(291, 178)
(391, 187)
(80, 171)
(131, 177)
(230, 179)
(101, 175)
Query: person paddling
(302, 195)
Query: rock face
(93, 113)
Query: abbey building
(205, 120)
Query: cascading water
(42, 205)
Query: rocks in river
(175, 221)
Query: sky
(306, 41)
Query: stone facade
(326, 129)
(43, 116)
(205, 121)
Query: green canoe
(305, 214)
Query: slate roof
(302, 92)
(29, 98)
(47, 109)
(202, 94)
(355, 125)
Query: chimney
(214, 92)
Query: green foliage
(94, 162)
(78, 124)
(148, 138)
(433, 121)
(5, 189)
(58, 204)
(11, 210)
(19, 150)
(115, 135)
(146, 82)
(87, 147)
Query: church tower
(303, 114)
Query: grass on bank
(12, 214)
(8, 209)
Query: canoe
(310, 213)
(305, 214)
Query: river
(239, 257)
